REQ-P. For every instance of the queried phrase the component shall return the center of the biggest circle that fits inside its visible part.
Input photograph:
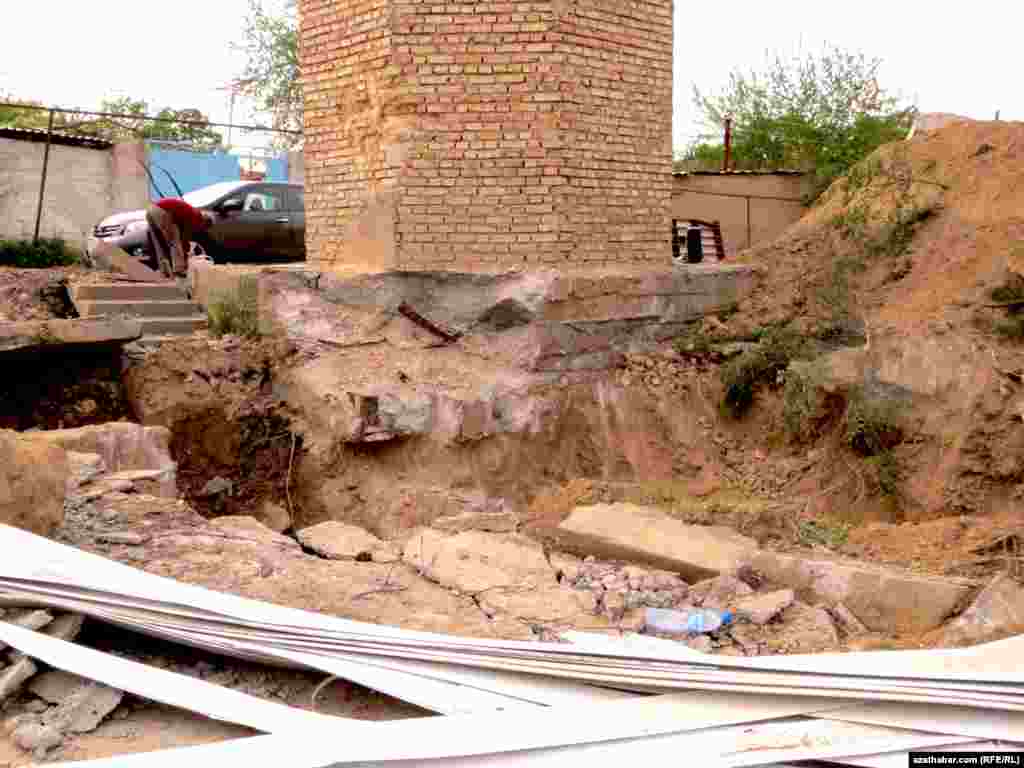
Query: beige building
(752, 206)
(484, 136)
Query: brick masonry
(486, 135)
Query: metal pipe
(42, 180)
(152, 119)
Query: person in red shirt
(173, 223)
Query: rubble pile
(53, 704)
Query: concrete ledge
(46, 334)
(482, 302)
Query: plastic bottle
(694, 621)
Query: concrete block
(646, 535)
(52, 334)
(883, 599)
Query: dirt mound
(919, 227)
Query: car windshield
(206, 195)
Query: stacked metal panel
(511, 702)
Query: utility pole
(231, 118)
(728, 144)
(42, 180)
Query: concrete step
(127, 292)
(172, 326)
(179, 308)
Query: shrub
(742, 376)
(826, 533)
(47, 252)
(871, 423)
(236, 312)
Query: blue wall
(193, 170)
(277, 169)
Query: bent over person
(172, 225)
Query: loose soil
(34, 294)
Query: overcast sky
(966, 61)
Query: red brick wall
(483, 135)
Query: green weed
(48, 252)
(236, 312)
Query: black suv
(254, 221)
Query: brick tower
(486, 134)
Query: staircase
(163, 308)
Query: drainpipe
(42, 181)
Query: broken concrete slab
(84, 708)
(647, 535)
(505, 573)
(883, 599)
(56, 685)
(804, 630)
(39, 335)
(760, 609)
(110, 258)
(474, 562)
(998, 610)
(123, 446)
(339, 541)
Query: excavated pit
(63, 388)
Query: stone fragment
(760, 609)
(66, 627)
(15, 676)
(339, 541)
(56, 685)
(217, 486)
(805, 630)
(37, 737)
(848, 623)
(85, 708)
(719, 593)
(998, 610)
(274, 516)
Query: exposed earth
(859, 414)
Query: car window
(263, 199)
(296, 199)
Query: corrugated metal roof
(740, 173)
(58, 137)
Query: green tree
(133, 126)
(819, 112)
(13, 117)
(272, 74)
